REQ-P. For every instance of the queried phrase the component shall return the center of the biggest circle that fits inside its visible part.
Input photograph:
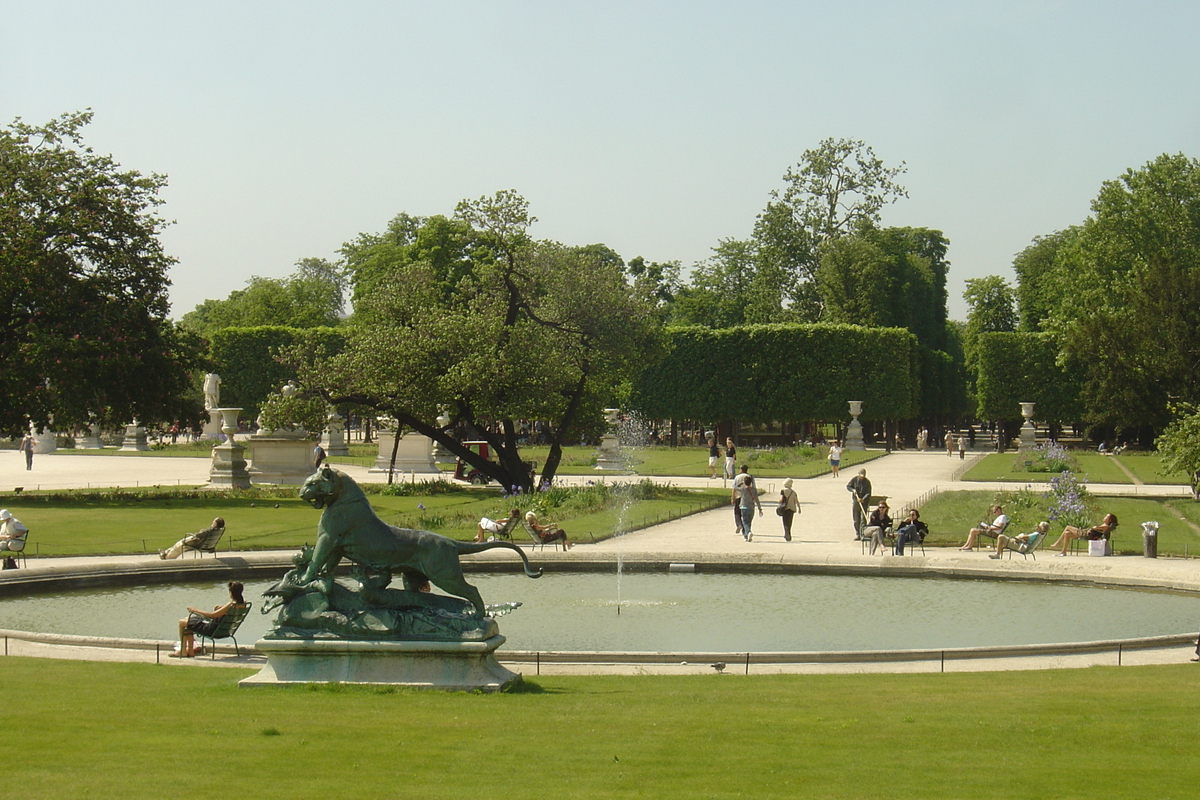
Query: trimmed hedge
(1023, 367)
(760, 373)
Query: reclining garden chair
(227, 626)
(1026, 548)
(203, 542)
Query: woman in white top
(991, 531)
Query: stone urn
(854, 435)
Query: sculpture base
(456, 666)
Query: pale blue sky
(655, 128)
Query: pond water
(697, 612)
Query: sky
(658, 128)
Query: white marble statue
(212, 391)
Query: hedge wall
(1023, 367)
(760, 373)
(245, 360)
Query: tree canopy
(473, 315)
(83, 280)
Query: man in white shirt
(997, 526)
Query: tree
(991, 306)
(1038, 290)
(505, 328)
(1129, 307)
(83, 280)
(312, 297)
(720, 289)
(836, 189)
(1179, 443)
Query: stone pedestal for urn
(280, 457)
(135, 438)
(90, 439)
(1028, 432)
(44, 442)
(854, 434)
(333, 441)
(228, 469)
(608, 456)
(413, 455)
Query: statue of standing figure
(212, 391)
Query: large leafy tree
(836, 189)
(472, 315)
(83, 280)
(1127, 307)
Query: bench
(227, 626)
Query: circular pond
(697, 612)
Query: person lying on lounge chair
(547, 533)
(1022, 542)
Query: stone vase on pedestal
(854, 435)
(228, 469)
(44, 442)
(1028, 431)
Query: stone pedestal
(212, 428)
(608, 457)
(44, 442)
(462, 666)
(90, 440)
(414, 455)
(135, 438)
(334, 439)
(228, 470)
(280, 457)
(854, 435)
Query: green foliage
(310, 298)
(1014, 368)
(1179, 443)
(297, 412)
(474, 316)
(83, 285)
(247, 359)
(761, 373)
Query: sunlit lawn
(134, 731)
(1097, 469)
(137, 522)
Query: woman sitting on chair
(878, 526)
(1022, 542)
(546, 533)
(205, 622)
(1100, 531)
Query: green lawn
(950, 515)
(644, 461)
(1098, 469)
(137, 522)
(134, 731)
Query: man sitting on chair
(991, 531)
(1022, 542)
(191, 541)
(12, 537)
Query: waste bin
(1150, 539)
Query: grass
(1098, 469)
(141, 522)
(126, 730)
(789, 462)
(950, 515)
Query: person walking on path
(789, 507)
(714, 453)
(860, 492)
(730, 455)
(962, 448)
(949, 443)
(26, 447)
(835, 457)
(745, 498)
